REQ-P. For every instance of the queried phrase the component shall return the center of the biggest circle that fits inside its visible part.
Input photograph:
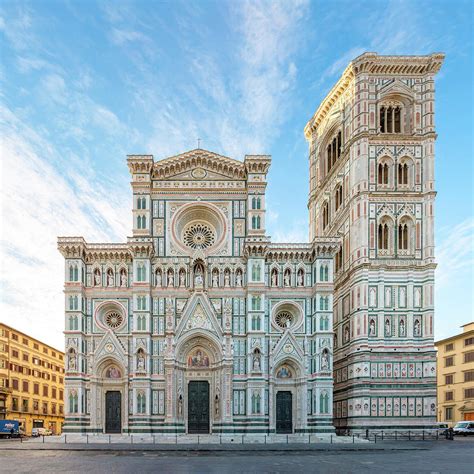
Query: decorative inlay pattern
(284, 319)
(199, 236)
(113, 319)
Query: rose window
(113, 319)
(199, 236)
(284, 319)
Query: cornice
(374, 64)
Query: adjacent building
(200, 323)
(31, 381)
(372, 152)
(456, 376)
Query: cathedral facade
(200, 324)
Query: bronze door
(284, 415)
(113, 413)
(198, 407)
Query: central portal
(284, 421)
(113, 423)
(198, 407)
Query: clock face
(288, 348)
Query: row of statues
(287, 278)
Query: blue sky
(84, 83)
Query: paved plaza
(388, 456)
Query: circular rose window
(284, 319)
(113, 319)
(199, 236)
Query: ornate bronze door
(284, 415)
(198, 407)
(113, 417)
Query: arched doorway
(199, 383)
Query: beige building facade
(455, 376)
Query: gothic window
(141, 272)
(256, 301)
(141, 303)
(333, 150)
(73, 273)
(256, 401)
(390, 118)
(324, 303)
(255, 222)
(141, 203)
(73, 323)
(403, 236)
(141, 222)
(324, 273)
(323, 323)
(141, 403)
(256, 272)
(339, 260)
(384, 239)
(256, 323)
(256, 204)
(141, 323)
(403, 174)
(73, 402)
(383, 173)
(338, 197)
(325, 214)
(324, 403)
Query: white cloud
(38, 204)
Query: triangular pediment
(110, 346)
(396, 87)
(199, 314)
(199, 165)
(287, 347)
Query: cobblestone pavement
(403, 457)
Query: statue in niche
(110, 279)
(346, 334)
(158, 278)
(180, 406)
(215, 279)
(372, 327)
(300, 279)
(287, 279)
(216, 405)
(97, 277)
(170, 279)
(417, 328)
(123, 278)
(274, 278)
(140, 362)
(198, 278)
(226, 278)
(72, 361)
(256, 365)
(324, 361)
(182, 279)
(402, 328)
(238, 278)
(403, 297)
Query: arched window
(324, 403)
(339, 259)
(403, 173)
(324, 303)
(403, 235)
(256, 204)
(383, 236)
(141, 222)
(256, 272)
(141, 403)
(256, 402)
(338, 197)
(73, 402)
(383, 173)
(390, 118)
(256, 303)
(324, 273)
(333, 150)
(255, 222)
(325, 214)
(141, 272)
(256, 323)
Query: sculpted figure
(372, 328)
(198, 278)
(97, 278)
(182, 279)
(123, 279)
(274, 279)
(256, 362)
(226, 279)
(416, 327)
(287, 279)
(170, 279)
(215, 280)
(111, 279)
(141, 362)
(238, 279)
(300, 279)
(325, 361)
(158, 278)
(72, 361)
